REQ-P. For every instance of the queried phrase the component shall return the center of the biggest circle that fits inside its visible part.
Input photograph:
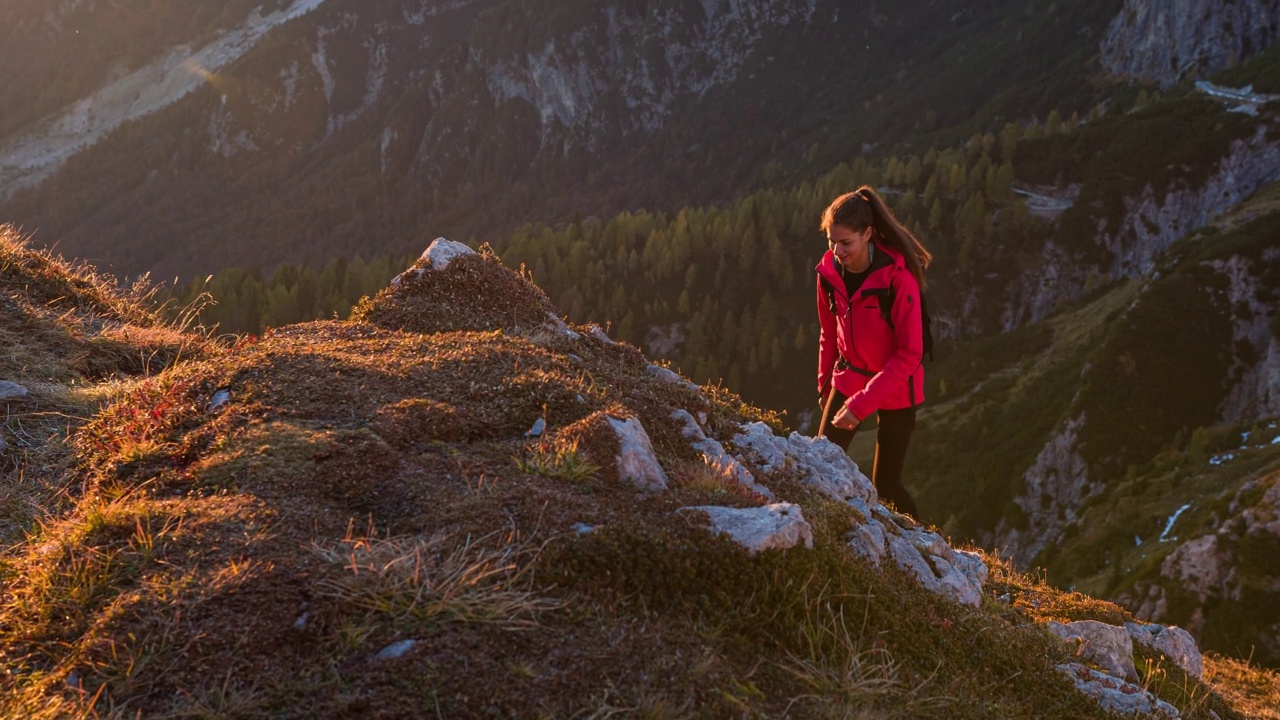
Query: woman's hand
(844, 419)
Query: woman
(872, 342)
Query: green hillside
(1146, 365)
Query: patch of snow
(1243, 100)
(1169, 524)
(1222, 459)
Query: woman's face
(849, 246)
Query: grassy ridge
(370, 484)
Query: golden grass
(435, 579)
(179, 549)
(557, 461)
(1251, 690)
(843, 672)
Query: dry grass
(430, 580)
(1253, 691)
(180, 563)
(552, 460)
(843, 671)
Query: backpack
(887, 297)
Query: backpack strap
(830, 293)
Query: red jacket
(882, 360)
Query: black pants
(892, 439)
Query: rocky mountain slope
(458, 506)
(365, 124)
(1145, 449)
(1166, 42)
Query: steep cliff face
(1055, 487)
(1164, 41)
(1255, 374)
(612, 78)
(650, 60)
(1154, 222)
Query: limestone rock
(11, 390)
(670, 376)
(715, 455)
(636, 460)
(441, 252)
(955, 574)
(1108, 646)
(1163, 41)
(1054, 490)
(777, 526)
(868, 540)
(1116, 695)
(820, 462)
(598, 333)
(1200, 566)
(438, 255)
(1174, 642)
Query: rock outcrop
(1116, 695)
(1108, 646)
(635, 460)
(776, 526)
(1154, 220)
(1054, 490)
(1255, 391)
(1165, 41)
(1218, 573)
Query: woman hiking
(872, 339)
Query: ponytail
(865, 208)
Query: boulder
(668, 375)
(1171, 641)
(441, 252)
(1107, 646)
(636, 460)
(955, 574)
(1116, 695)
(715, 455)
(820, 462)
(437, 256)
(777, 526)
(598, 333)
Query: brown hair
(864, 208)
